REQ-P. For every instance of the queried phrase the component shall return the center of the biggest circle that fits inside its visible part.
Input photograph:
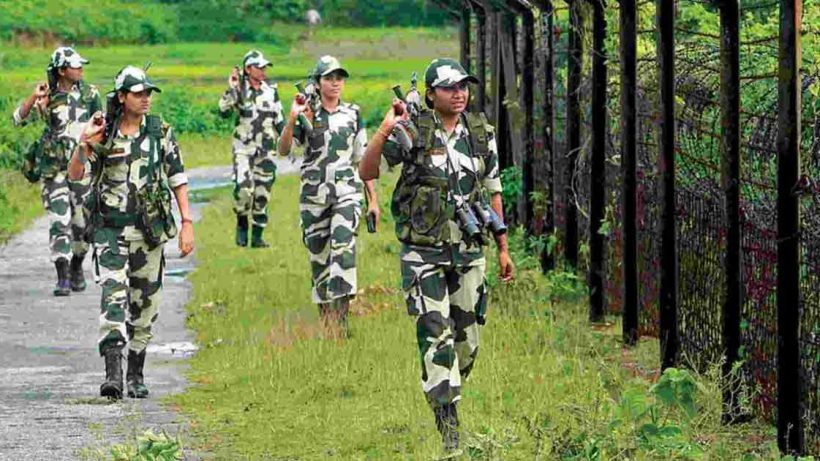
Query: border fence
(671, 149)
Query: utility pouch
(31, 162)
(155, 218)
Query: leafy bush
(383, 13)
(87, 21)
(250, 21)
(189, 115)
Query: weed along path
(50, 371)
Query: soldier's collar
(458, 130)
(74, 88)
(137, 134)
(341, 106)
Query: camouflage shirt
(65, 118)
(451, 159)
(125, 171)
(332, 155)
(260, 115)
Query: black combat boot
(76, 277)
(256, 238)
(63, 287)
(133, 377)
(447, 425)
(112, 387)
(241, 231)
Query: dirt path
(50, 371)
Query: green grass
(268, 384)
(19, 203)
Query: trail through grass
(269, 384)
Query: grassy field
(193, 77)
(269, 383)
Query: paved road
(50, 371)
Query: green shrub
(87, 21)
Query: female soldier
(66, 102)
(450, 164)
(133, 173)
(258, 124)
(331, 193)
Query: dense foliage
(86, 21)
(167, 21)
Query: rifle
(405, 130)
(307, 95)
(240, 92)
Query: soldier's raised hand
(299, 105)
(40, 91)
(94, 129)
(396, 113)
(233, 80)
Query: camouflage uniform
(330, 201)
(62, 199)
(443, 275)
(130, 270)
(258, 126)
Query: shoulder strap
(359, 121)
(479, 139)
(154, 130)
(426, 131)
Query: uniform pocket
(426, 215)
(413, 295)
(115, 169)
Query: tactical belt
(119, 221)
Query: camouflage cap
(255, 58)
(326, 65)
(133, 79)
(446, 72)
(65, 56)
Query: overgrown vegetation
(169, 21)
(145, 446)
(268, 382)
(86, 21)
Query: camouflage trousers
(130, 274)
(254, 173)
(63, 202)
(329, 232)
(444, 300)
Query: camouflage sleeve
(18, 120)
(393, 152)
(278, 112)
(174, 168)
(94, 163)
(360, 141)
(228, 101)
(492, 178)
(96, 102)
(299, 133)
